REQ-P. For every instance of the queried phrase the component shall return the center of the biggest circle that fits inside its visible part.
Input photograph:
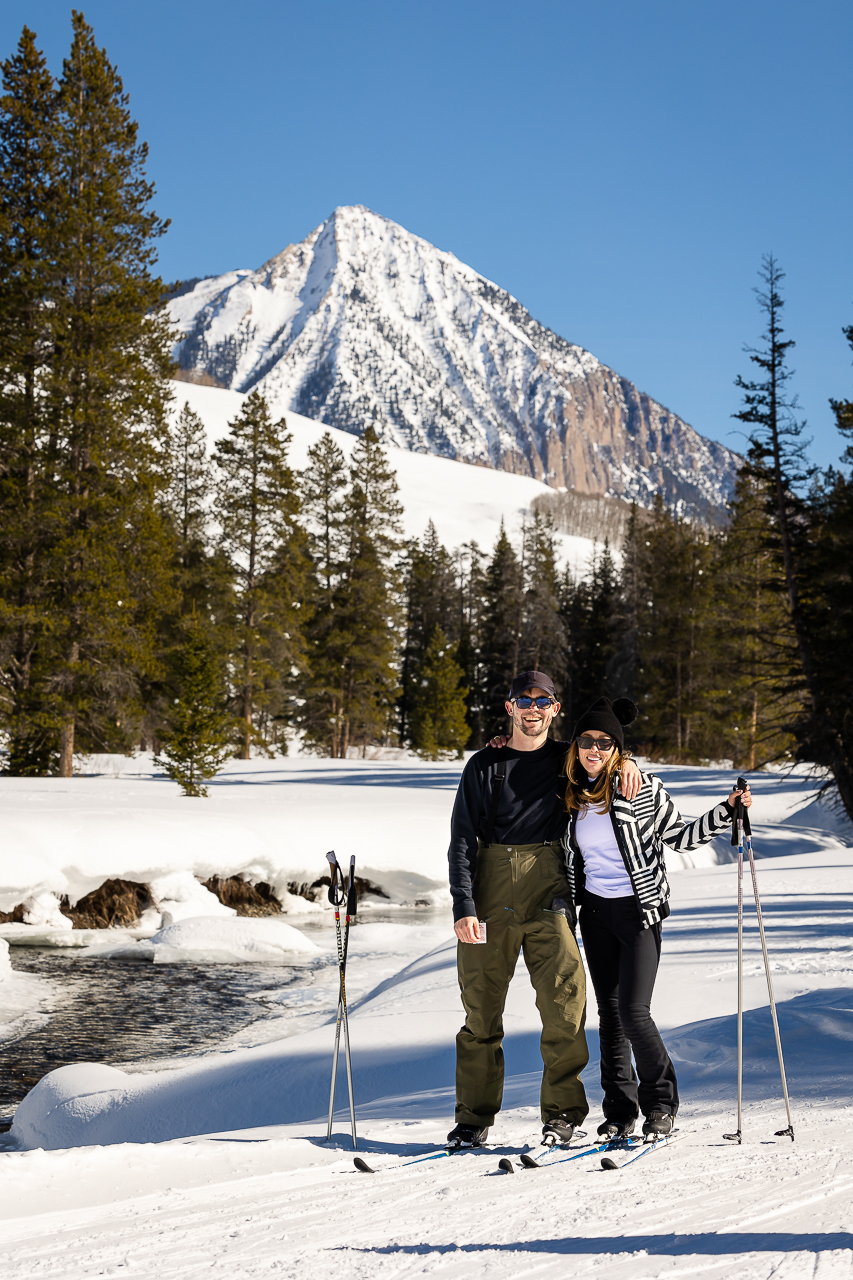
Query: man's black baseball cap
(532, 680)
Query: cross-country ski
(646, 1149)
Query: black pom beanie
(608, 717)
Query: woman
(617, 874)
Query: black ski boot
(657, 1124)
(558, 1132)
(611, 1130)
(467, 1135)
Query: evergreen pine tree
(257, 507)
(431, 603)
(101, 561)
(28, 241)
(675, 605)
(201, 572)
(755, 647)
(623, 667)
(355, 641)
(470, 586)
(439, 726)
(500, 645)
(826, 598)
(542, 642)
(777, 434)
(198, 739)
(324, 483)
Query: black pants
(622, 961)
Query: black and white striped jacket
(644, 827)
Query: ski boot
(558, 1132)
(467, 1135)
(657, 1124)
(612, 1130)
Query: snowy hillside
(364, 322)
(464, 503)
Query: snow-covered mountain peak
(364, 322)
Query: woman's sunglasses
(586, 743)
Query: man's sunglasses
(586, 743)
(524, 702)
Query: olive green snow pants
(514, 886)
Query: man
(508, 882)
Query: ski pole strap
(741, 812)
(337, 891)
(497, 788)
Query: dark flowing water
(114, 1012)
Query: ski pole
(340, 892)
(738, 1137)
(336, 897)
(789, 1132)
(744, 836)
(352, 907)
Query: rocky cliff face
(365, 323)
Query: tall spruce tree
(826, 576)
(99, 387)
(777, 434)
(431, 604)
(438, 724)
(28, 284)
(257, 507)
(755, 701)
(542, 642)
(355, 641)
(591, 610)
(201, 573)
(623, 668)
(503, 595)
(470, 586)
(675, 608)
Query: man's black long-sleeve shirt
(530, 809)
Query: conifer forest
(156, 595)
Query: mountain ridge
(364, 322)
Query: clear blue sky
(618, 166)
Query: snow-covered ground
(466, 503)
(215, 1165)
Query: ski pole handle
(352, 897)
(336, 880)
(741, 813)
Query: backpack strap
(497, 788)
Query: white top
(602, 860)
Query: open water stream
(124, 1012)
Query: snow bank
(226, 941)
(42, 910)
(22, 997)
(207, 941)
(180, 896)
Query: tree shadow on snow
(705, 1243)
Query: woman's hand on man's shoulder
(630, 779)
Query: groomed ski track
(273, 1200)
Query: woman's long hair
(580, 793)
